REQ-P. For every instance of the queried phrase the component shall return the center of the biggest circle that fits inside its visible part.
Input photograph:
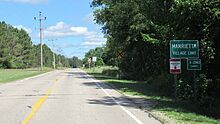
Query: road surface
(66, 97)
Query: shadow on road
(153, 98)
(123, 101)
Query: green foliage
(75, 62)
(112, 72)
(184, 90)
(15, 46)
(202, 86)
(17, 50)
(142, 29)
(98, 52)
(99, 62)
(162, 83)
(149, 39)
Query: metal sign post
(94, 59)
(175, 86)
(194, 65)
(89, 61)
(175, 68)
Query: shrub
(110, 72)
(162, 83)
(184, 89)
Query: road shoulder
(137, 101)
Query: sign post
(194, 65)
(94, 59)
(175, 68)
(89, 61)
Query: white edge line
(41, 75)
(116, 101)
(122, 107)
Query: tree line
(140, 31)
(18, 52)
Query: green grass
(166, 109)
(96, 70)
(9, 75)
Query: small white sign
(94, 59)
(175, 66)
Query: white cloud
(89, 42)
(28, 30)
(63, 30)
(26, 1)
(66, 45)
(95, 40)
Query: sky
(69, 28)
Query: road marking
(122, 107)
(40, 75)
(39, 102)
(116, 101)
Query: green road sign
(194, 64)
(184, 49)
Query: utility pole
(54, 57)
(60, 56)
(54, 61)
(40, 19)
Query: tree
(17, 50)
(75, 62)
(142, 29)
(15, 47)
(98, 52)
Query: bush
(8, 64)
(99, 62)
(110, 72)
(162, 83)
(202, 86)
(184, 89)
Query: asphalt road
(67, 97)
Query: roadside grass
(9, 75)
(166, 109)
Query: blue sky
(69, 24)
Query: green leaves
(143, 29)
(147, 38)
(98, 52)
(17, 51)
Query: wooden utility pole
(40, 19)
(54, 56)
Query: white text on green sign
(184, 49)
(194, 64)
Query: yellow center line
(39, 102)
